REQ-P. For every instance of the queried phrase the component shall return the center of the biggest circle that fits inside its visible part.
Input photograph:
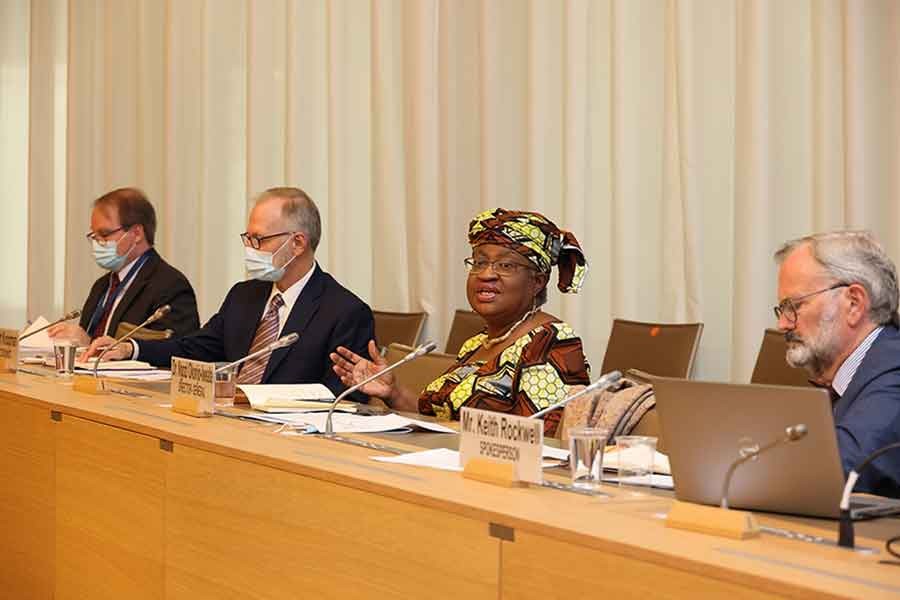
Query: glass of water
(64, 355)
(586, 445)
(634, 456)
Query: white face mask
(260, 265)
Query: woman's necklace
(490, 342)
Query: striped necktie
(267, 332)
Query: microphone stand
(157, 315)
(420, 351)
(791, 434)
(66, 317)
(846, 536)
(283, 342)
(605, 381)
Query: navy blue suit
(867, 416)
(326, 315)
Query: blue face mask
(106, 256)
(260, 264)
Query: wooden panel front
(26, 501)
(542, 568)
(239, 530)
(109, 512)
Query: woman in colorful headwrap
(526, 359)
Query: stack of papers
(281, 398)
(124, 369)
(38, 344)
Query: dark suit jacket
(326, 315)
(156, 284)
(867, 416)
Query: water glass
(224, 388)
(586, 446)
(64, 352)
(634, 456)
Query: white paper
(348, 423)
(39, 342)
(633, 457)
(664, 482)
(282, 396)
(114, 365)
(443, 459)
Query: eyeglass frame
(255, 242)
(92, 235)
(470, 267)
(789, 303)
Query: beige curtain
(681, 140)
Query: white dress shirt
(845, 374)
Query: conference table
(116, 496)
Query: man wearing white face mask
(123, 227)
(288, 293)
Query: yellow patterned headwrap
(535, 237)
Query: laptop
(705, 426)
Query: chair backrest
(143, 334)
(466, 323)
(420, 372)
(402, 328)
(771, 367)
(663, 349)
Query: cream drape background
(681, 140)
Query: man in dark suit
(838, 308)
(289, 293)
(123, 227)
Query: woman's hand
(353, 368)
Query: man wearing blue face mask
(287, 293)
(123, 227)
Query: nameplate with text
(502, 438)
(9, 349)
(193, 385)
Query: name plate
(9, 349)
(193, 385)
(516, 442)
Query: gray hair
(855, 257)
(298, 211)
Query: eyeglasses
(102, 237)
(255, 241)
(789, 306)
(503, 268)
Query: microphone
(846, 537)
(605, 381)
(158, 314)
(281, 342)
(793, 433)
(66, 317)
(420, 351)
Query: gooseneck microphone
(66, 317)
(846, 536)
(420, 351)
(605, 381)
(791, 434)
(158, 314)
(281, 342)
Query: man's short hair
(855, 257)
(132, 207)
(298, 211)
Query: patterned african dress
(537, 370)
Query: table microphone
(281, 342)
(605, 381)
(791, 434)
(416, 353)
(158, 314)
(846, 537)
(66, 317)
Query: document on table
(282, 398)
(349, 423)
(39, 343)
(663, 482)
(114, 365)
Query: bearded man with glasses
(838, 310)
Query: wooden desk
(116, 497)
